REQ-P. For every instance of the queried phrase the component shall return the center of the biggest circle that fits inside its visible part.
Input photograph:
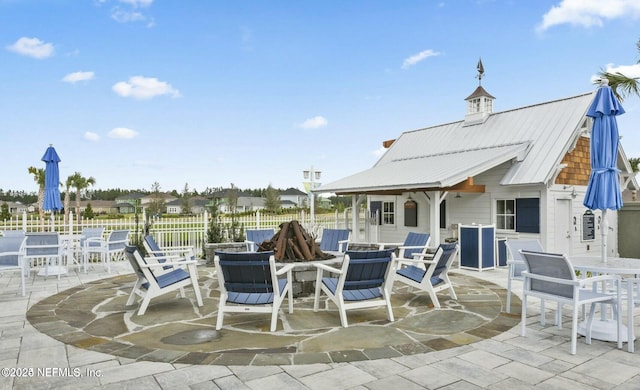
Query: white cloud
(137, 3)
(130, 12)
(380, 151)
(32, 47)
(122, 16)
(414, 59)
(78, 76)
(627, 70)
(90, 136)
(123, 133)
(588, 13)
(314, 123)
(139, 87)
(632, 71)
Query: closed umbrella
(51, 200)
(603, 191)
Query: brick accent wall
(578, 165)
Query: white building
(524, 170)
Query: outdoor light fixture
(458, 195)
(574, 193)
(311, 175)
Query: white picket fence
(191, 230)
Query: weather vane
(480, 71)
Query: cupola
(479, 103)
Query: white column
(355, 221)
(434, 217)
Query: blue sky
(209, 93)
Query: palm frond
(622, 86)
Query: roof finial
(480, 71)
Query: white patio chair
(250, 283)
(632, 285)
(47, 248)
(11, 252)
(551, 277)
(414, 244)
(256, 237)
(112, 247)
(364, 281)
(91, 239)
(151, 283)
(430, 275)
(334, 240)
(515, 261)
(171, 254)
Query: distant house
(245, 203)
(196, 203)
(523, 170)
(293, 196)
(99, 206)
(127, 203)
(16, 208)
(174, 207)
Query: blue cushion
(245, 298)
(412, 272)
(175, 276)
(352, 295)
(417, 274)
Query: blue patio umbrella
(51, 200)
(603, 191)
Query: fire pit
(292, 243)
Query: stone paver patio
(501, 361)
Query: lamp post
(311, 175)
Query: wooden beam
(466, 186)
(387, 144)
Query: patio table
(70, 246)
(605, 328)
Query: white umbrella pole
(604, 231)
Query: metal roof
(536, 137)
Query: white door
(564, 227)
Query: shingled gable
(535, 138)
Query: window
(474, 106)
(376, 210)
(443, 214)
(388, 213)
(488, 105)
(521, 215)
(506, 214)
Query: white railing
(191, 230)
